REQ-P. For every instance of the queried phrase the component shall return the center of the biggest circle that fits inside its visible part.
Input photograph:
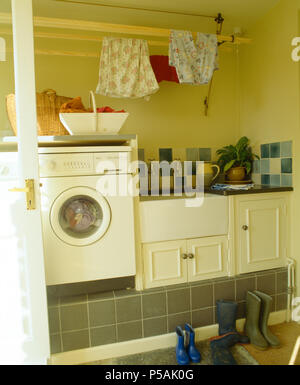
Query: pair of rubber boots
(228, 335)
(186, 350)
(257, 315)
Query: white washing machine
(88, 219)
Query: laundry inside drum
(80, 216)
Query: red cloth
(162, 69)
(107, 109)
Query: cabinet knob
(184, 256)
(191, 256)
(245, 227)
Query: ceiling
(237, 13)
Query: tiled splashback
(182, 154)
(275, 166)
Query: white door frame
(36, 344)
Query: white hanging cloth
(195, 62)
(125, 69)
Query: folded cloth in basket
(108, 109)
(74, 105)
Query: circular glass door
(80, 216)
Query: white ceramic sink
(170, 219)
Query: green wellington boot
(266, 302)
(253, 307)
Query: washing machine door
(80, 216)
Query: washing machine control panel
(83, 164)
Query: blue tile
(286, 165)
(286, 149)
(192, 154)
(141, 154)
(265, 151)
(165, 154)
(256, 166)
(265, 166)
(275, 180)
(265, 179)
(275, 150)
(286, 180)
(205, 154)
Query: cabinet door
(165, 263)
(207, 258)
(261, 234)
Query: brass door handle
(191, 256)
(184, 256)
(29, 190)
(245, 227)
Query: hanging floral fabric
(125, 69)
(195, 62)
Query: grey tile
(286, 165)
(241, 310)
(202, 317)
(155, 326)
(165, 154)
(242, 286)
(141, 154)
(281, 302)
(256, 166)
(178, 320)
(178, 300)
(275, 180)
(103, 335)
(286, 149)
(102, 295)
(224, 290)
(192, 154)
(126, 293)
(265, 179)
(102, 313)
(74, 317)
(154, 305)
(72, 299)
(205, 154)
(55, 344)
(266, 283)
(128, 309)
(130, 331)
(264, 166)
(75, 340)
(53, 320)
(286, 180)
(275, 150)
(202, 296)
(52, 300)
(281, 282)
(265, 150)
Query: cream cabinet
(174, 262)
(261, 231)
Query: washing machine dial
(48, 165)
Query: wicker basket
(47, 109)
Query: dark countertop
(257, 189)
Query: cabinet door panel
(209, 258)
(261, 234)
(163, 263)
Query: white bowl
(90, 123)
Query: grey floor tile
(178, 300)
(128, 309)
(155, 326)
(154, 305)
(74, 317)
(202, 296)
(103, 335)
(129, 331)
(75, 340)
(102, 313)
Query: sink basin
(170, 219)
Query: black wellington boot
(226, 317)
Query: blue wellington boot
(192, 351)
(226, 316)
(220, 345)
(181, 355)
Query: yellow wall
(269, 102)
(174, 116)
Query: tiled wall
(275, 166)
(182, 154)
(89, 320)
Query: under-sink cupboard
(253, 235)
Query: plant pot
(236, 174)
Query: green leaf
(229, 165)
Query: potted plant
(236, 161)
